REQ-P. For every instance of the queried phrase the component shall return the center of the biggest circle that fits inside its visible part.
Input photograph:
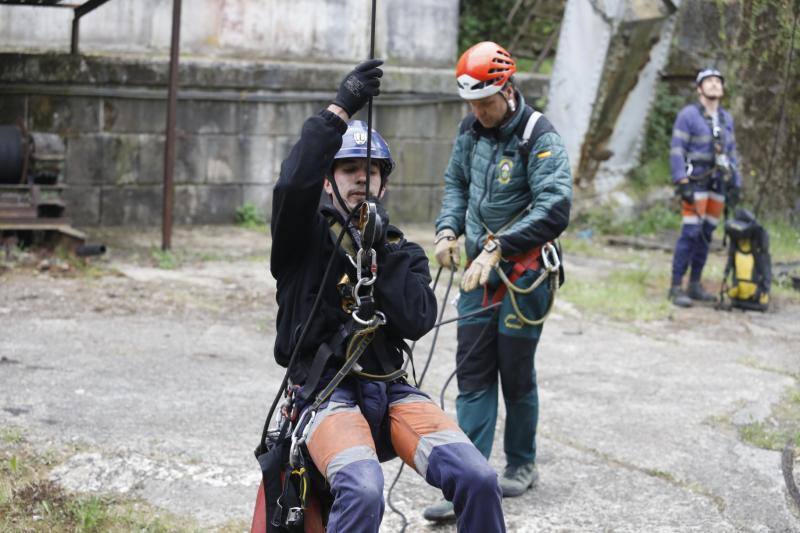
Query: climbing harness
(551, 264)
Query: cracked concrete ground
(161, 379)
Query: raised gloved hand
(357, 87)
(447, 253)
(686, 191)
(478, 272)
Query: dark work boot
(697, 292)
(678, 297)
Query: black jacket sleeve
(295, 199)
(403, 290)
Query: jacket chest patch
(504, 168)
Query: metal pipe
(75, 36)
(401, 99)
(80, 11)
(169, 151)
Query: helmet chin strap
(338, 195)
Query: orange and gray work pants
(366, 422)
(699, 221)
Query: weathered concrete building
(251, 72)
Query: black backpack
(749, 265)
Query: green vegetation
(782, 425)
(636, 293)
(248, 216)
(29, 501)
(784, 240)
(481, 20)
(164, 259)
(83, 266)
(655, 220)
(659, 124)
(650, 174)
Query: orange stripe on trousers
(410, 421)
(336, 433)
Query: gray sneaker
(442, 511)
(678, 297)
(517, 479)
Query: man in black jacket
(367, 419)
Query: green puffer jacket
(486, 186)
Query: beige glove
(478, 272)
(447, 253)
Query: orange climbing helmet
(483, 70)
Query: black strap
(325, 353)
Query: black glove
(733, 197)
(359, 85)
(686, 192)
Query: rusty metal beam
(80, 11)
(169, 152)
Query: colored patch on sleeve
(542, 155)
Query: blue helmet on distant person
(354, 145)
(707, 73)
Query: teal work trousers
(497, 344)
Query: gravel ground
(160, 379)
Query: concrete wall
(236, 122)
(422, 32)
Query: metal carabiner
(378, 319)
(299, 440)
(373, 268)
(550, 259)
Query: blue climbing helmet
(354, 145)
(707, 73)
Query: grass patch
(248, 216)
(626, 294)
(652, 221)
(29, 501)
(652, 173)
(10, 435)
(164, 259)
(781, 426)
(82, 266)
(784, 240)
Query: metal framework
(80, 9)
(87, 6)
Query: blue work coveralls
(693, 155)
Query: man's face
(711, 88)
(350, 177)
(492, 110)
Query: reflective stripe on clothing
(680, 134)
(707, 206)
